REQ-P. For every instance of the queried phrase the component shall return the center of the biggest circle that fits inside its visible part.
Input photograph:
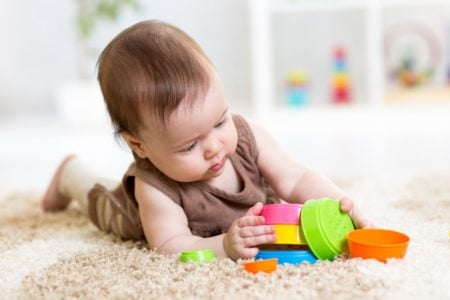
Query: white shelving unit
(371, 135)
(265, 105)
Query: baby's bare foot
(53, 200)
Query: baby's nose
(212, 148)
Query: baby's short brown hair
(147, 70)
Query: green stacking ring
(325, 227)
(197, 256)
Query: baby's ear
(134, 143)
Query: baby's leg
(53, 199)
(72, 180)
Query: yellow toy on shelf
(297, 88)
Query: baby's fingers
(255, 210)
(248, 252)
(250, 221)
(361, 222)
(256, 240)
(250, 231)
(346, 204)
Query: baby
(201, 174)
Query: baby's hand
(347, 205)
(246, 233)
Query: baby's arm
(294, 182)
(166, 227)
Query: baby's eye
(190, 147)
(220, 123)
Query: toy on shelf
(340, 81)
(407, 74)
(297, 88)
(412, 52)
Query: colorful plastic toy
(321, 226)
(323, 231)
(297, 87)
(197, 256)
(380, 244)
(325, 227)
(294, 257)
(413, 53)
(265, 265)
(289, 234)
(340, 82)
(281, 213)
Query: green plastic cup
(325, 227)
(197, 256)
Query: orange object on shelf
(380, 244)
(264, 265)
(340, 83)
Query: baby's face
(197, 140)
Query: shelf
(410, 3)
(262, 39)
(268, 62)
(333, 5)
(305, 6)
(419, 95)
(361, 121)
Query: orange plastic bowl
(380, 244)
(264, 265)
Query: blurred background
(348, 87)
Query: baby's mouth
(218, 166)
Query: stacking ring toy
(380, 244)
(197, 256)
(281, 213)
(294, 257)
(289, 234)
(325, 227)
(265, 265)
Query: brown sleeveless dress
(209, 210)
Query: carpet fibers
(62, 255)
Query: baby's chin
(189, 179)
(206, 176)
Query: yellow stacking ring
(289, 234)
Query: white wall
(38, 57)
(38, 49)
(36, 53)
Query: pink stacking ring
(281, 213)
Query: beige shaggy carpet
(61, 255)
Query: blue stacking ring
(294, 257)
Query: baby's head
(166, 100)
(148, 70)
